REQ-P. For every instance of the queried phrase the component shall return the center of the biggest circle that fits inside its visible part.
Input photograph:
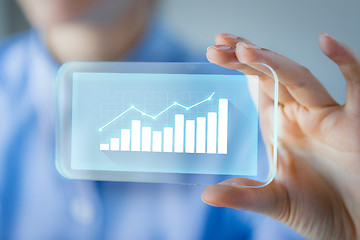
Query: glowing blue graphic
(173, 137)
(165, 123)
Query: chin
(45, 13)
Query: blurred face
(43, 14)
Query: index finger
(298, 80)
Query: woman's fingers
(228, 39)
(298, 80)
(224, 55)
(349, 65)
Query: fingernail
(325, 34)
(231, 183)
(230, 36)
(248, 45)
(221, 47)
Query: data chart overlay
(211, 132)
(165, 123)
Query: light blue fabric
(37, 203)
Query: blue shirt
(37, 203)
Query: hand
(317, 188)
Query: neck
(82, 41)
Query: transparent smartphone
(185, 123)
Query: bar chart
(165, 123)
(204, 134)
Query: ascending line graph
(157, 115)
(201, 132)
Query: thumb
(270, 200)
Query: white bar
(190, 136)
(135, 135)
(104, 147)
(114, 144)
(179, 133)
(125, 139)
(211, 132)
(200, 134)
(223, 126)
(146, 139)
(156, 145)
(168, 139)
